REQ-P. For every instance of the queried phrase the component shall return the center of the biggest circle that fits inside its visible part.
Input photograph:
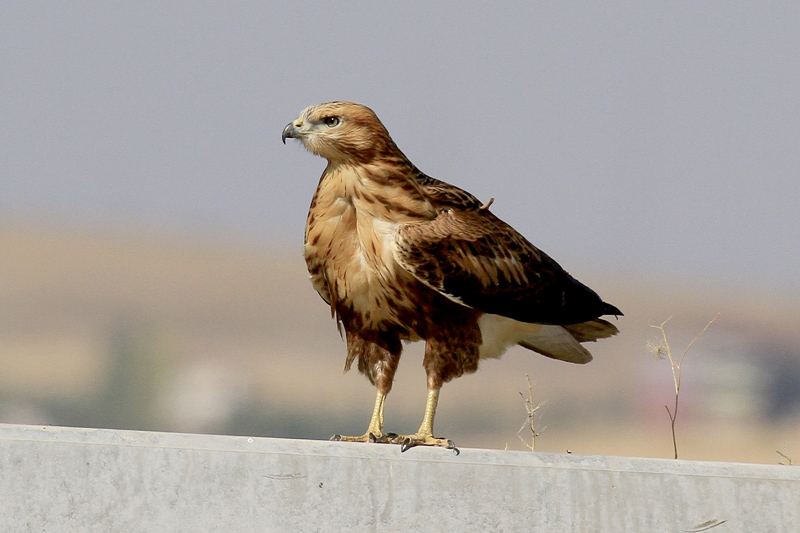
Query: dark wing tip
(609, 309)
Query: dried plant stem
(530, 421)
(676, 373)
(788, 459)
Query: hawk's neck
(383, 189)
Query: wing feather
(475, 258)
(443, 193)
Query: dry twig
(663, 349)
(788, 459)
(530, 421)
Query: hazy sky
(638, 141)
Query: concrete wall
(56, 479)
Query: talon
(336, 437)
(388, 438)
(424, 439)
(373, 438)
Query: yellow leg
(376, 422)
(375, 429)
(426, 428)
(424, 437)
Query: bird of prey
(401, 256)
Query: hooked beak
(290, 131)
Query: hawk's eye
(332, 121)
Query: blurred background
(151, 221)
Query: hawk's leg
(442, 364)
(379, 363)
(375, 429)
(424, 436)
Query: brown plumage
(401, 256)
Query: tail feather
(592, 330)
(557, 343)
(563, 342)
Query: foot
(367, 437)
(423, 439)
(386, 438)
(405, 441)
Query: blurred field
(109, 328)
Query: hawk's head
(341, 132)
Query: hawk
(401, 256)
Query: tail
(563, 342)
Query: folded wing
(473, 257)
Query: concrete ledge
(56, 479)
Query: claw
(336, 437)
(426, 440)
(386, 438)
